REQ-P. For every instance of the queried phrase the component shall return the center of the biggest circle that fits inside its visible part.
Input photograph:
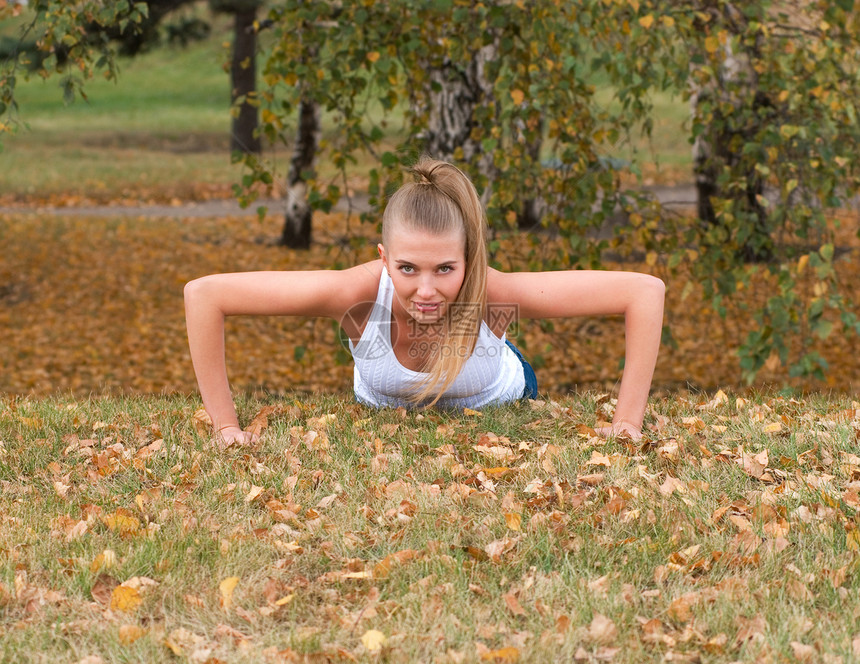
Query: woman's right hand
(234, 435)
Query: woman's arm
(209, 300)
(589, 292)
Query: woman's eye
(445, 269)
(406, 269)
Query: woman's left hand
(620, 429)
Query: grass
(165, 121)
(511, 534)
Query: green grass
(163, 127)
(455, 544)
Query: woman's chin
(426, 315)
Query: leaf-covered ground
(729, 534)
(93, 305)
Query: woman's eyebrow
(405, 261)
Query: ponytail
(441, 200)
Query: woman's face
(427, 270)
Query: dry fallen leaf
(672, 485)
(373, 640)
(125, 599)
(513, 604)
(122, 521)
(103, 587)
(514, 520)
(128, 634)
(182, 642)
(495, 550)
(803, 652)
(62, 489)
(754, 464)
(202, 422)
(509, 654)
(227, 586)
(602, 629)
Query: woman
(427, 320)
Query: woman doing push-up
(427, 320)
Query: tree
(75, 39)
(244, 135)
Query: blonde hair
(441, 200)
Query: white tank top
(493, 374)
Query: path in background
(681, 198)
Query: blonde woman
(427, 320)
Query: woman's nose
(426, 287)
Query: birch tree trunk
(453, 96)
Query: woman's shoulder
(361, 282)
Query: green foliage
(72, 42)
(777, 95)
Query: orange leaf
(124, 598)
(513, 520)
(128, 634)
(509, 654)
(513, 604)
(122, 521)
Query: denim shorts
(531, 389)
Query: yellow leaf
(518, 96)
(227, 587)
(509, 654)
(469, 411)
(373, 640)
(128, 634)
(373, 56)
(712, 44)
(647, 21)
(105, 559)
(124, 598)
(122, 521)
(513, 520)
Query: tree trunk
(734, 88)
(454, 93)
(297, 219)
(529, 216)
(243, 76)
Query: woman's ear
(382, 255)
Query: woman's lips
(426, 307)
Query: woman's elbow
(197, 290)
(651, 292)
(656, 286)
